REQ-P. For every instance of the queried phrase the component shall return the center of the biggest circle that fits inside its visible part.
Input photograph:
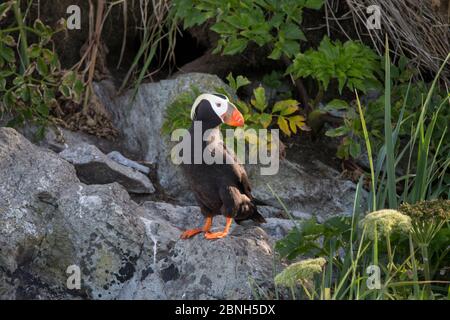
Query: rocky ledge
(72, 211)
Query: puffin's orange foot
(190, 233)
(222, 234)
(215, 235)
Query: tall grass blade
(390, 152)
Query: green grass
(408, 260)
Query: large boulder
(198, 268)
(50, 221)
(314, 189)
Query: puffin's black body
(219, 188)
(222, 188)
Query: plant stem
(414, 266)
(426, 267)
(389, 251)
(23, 37)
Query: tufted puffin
(223, 187)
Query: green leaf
(337, 104)
(7, 53)
(276, 54)
(9, 100)
(237, 83)
(280, 106)
(265, 119)
(243, 107)
(298, 120)
(292, 125)
(283, 125)
(337, 132)
(34, 51)
(234, 46)
(65, 90)
(354, 149)
(289, 110)
(78, 89)
(42, 109)
(292, 31)
(259, 102)
(222, 28)
(314, 4)
(241, 81)
(42, 67)
(290, 48)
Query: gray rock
(57, 139)
(119, 158)
(94, 167)
(319, 192)
(49, 221)
(201, 269)
(314, 189)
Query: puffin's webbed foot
(220, 234)
(215, 235)
(192, 232)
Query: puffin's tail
(259, 202)
(257, 217)
(249, 211)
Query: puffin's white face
(222, 107)
(219, 103)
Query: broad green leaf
(279, 106)
(289, 110)
(41, 67)
(354, 149)
(292, 31)
(241, 81)
(236, 45)
(237, 83)
(336, 104)
(259, 102)
(276, 54)
(7, 53)
(265, 120)
(222, 28)
(337, 132)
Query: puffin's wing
(238, 205)
(241, 175)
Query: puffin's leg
(221, 234)
(192, 232)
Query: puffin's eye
(219, 105)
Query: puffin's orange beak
(233, 117)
